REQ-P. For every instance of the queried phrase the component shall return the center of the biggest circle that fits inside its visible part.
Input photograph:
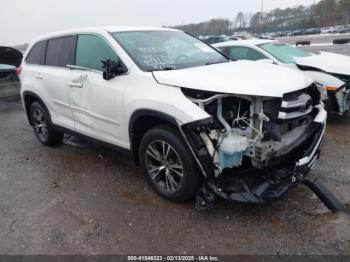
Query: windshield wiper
(168, 68)
(217, 62)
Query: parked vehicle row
(273, 35)
(304, 32)
(196, 122)
(336, 29)
(330, 71)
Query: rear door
(97, 104)
(55, 75)
(32, 68)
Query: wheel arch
(140, 122)
(28, 99)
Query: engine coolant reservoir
(231, 151)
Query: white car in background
(328, 30)
(332, 71)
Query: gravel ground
(79, 198)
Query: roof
(136, 28)
(250, 42)
(103, 29)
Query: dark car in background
(313, 31)
(215, 39)
(10, 61)
(298, 33)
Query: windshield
(166, 50)
(283, 52)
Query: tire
(162, 169)
(41, 121)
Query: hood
(240, 77)
(327, 62)
(10, 56)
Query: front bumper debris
(268, 185)
(343, 99)
(263, 186)
(326, 196)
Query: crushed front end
(254, 149)
(339, 98)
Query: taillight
(18, 70)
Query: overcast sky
(21, 20)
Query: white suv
(195, 121)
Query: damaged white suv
(195, 121)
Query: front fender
(169, 101)
(325, 79)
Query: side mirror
(112, 69)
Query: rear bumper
(9, 89)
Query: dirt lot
(79, 198)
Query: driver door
(97, 104)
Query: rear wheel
(167, 164)
(43, 129)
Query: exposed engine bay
(251, 143)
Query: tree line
(324, 13)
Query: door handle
(39, 76)
(74, 84)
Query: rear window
(36, 56)
(60, 51)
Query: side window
(36, 56)
(91, 50)
(245, 53)
(60, 51)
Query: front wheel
(168, 165)
(43, 129)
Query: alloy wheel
(39, 124)
(164, 166)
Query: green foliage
(343, 11)
(213, 27)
